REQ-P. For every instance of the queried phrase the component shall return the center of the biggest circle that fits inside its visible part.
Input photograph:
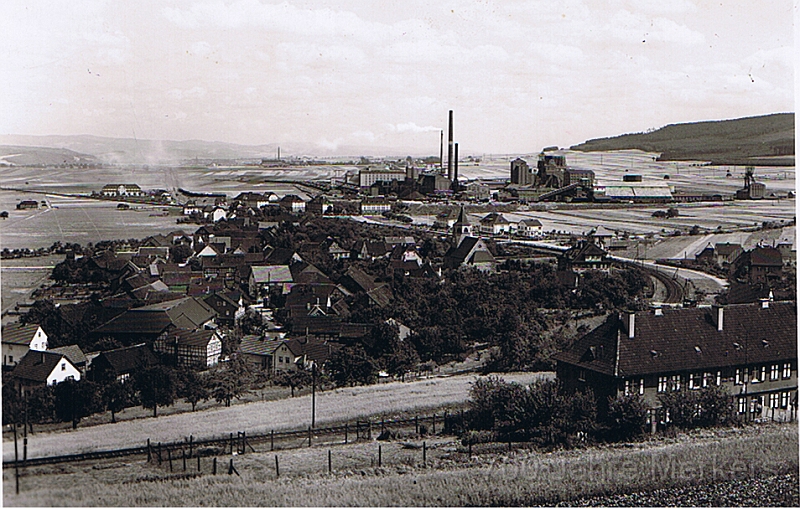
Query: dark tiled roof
(494, 218)
(726, 249)
(187, 312)
(766, 256)
(686, 339)
(280, 257)
(255, 344)
(37, 365)
(18, 333)
(198, 337)
(312, 349)
(127, 359)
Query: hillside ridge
(759, 140)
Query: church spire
(462, 227)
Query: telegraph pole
(313, 393)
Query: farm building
(18, 339)
(293, 203)
(584, 256)
(750, 350)
(377, 205)
(75, 356)
(43, 368)
(122, 190)
(190, 348)
(268, 353)
(121, 364)
(264, 279)
(28, 204)
(229, 306)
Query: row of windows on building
(777, 400)
(704, 379)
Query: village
(283, 291)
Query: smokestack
(450, 147)
(279, 153)
(441, 151)
(455, 168)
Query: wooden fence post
(416, 424)
(198, 462)
(169, 456)
(149, 453)
(277, 468)
(383, 427)
(272, 440)
(309, 436)
(345, 433)
(191, 440)
(159, 453)
(424, 453)
(434, 424)
(214, 467)
(380, 456)
(183, 457)
(329, 462)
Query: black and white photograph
(340, 253)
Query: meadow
(333, 406)
(520, 477)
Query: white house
(43, 368)
(494, 223)
(530, 228)
(375, 206)
(20, 338)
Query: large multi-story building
(750, 350)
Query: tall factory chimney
(450, 148)
(441, 150)
(455, 168)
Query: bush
(627, 417)
(707, 407)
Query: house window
(763, 374)
(280, 359)
(774, 400)
(694, 381)
(706, 377)
(787, 370)
(627, 387)
(675, 383)
(582, 375)
(755, 376)
(738, 379)
(63, 367)
(10, 360)
(773, 372)
(641, 386)
(662, 383)
(742, 405)
(719, 377)
(784, 399)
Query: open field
(260, 417)
(748, 457)
(20, 277)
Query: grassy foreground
(517, 478)
(334, 406)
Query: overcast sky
(519, 75)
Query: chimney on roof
(717, 315)
(629, 319)
(657, 310)
(764, 302)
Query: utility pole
(313, 393)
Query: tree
(157, 386)
(294, 379)
(180, 253)
(193, 387)
(352, 365)
(117, 396)
(230, 380)
(75, 400)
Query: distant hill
(137, 151)
(18, 155)
(762, 140)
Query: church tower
(462, 228)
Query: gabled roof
(316, 351)
(531, 223)
(686, 339)
(726, 249)
(73, 353)
(19, 334)
(470, 250)
(127, 359)
(281, 256)
(359, 281)
(261, 346)
(38, 365)
(197, 337)
(766, 256)
(493, 218)
(186, 312)
(272, 274)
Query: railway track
(674, 289)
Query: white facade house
(44, 368)
(530, 228)
(494, 224)
(18, 339)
